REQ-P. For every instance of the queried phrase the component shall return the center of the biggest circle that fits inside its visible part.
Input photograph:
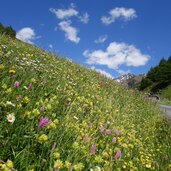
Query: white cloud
(64, 13)
(27, 35)
(119, 13)
(50, 46)
(70, 32)
(84, 18)
(117, 54)
(101, 39)
(102, 72)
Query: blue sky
(111, 36)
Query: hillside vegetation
(56, 115)
(158, 78)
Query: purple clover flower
(114, 140)
(108, 131)
(93, 149)
(16, 84)
(117, 155)
(44, 121)
(102, 129)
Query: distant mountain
(130, 80)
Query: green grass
(166, 96)
(78, 103)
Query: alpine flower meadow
(57, 115)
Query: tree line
(7, 31)
(158, 77)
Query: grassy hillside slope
(66, 117)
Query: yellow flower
(99, 159)
(79, 167)
(43, 138)
(9, 164)
(67, 164)
(1, 67)
(148, 165)
(26, 99)
(56, 155)
(12, 71)
(52, 125)
(9, 90)
(33, 80)
(58, 163)
(4, 86)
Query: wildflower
(49, 107)
(93, 149)
(19, 98)
(16, 84)
(75, 118)
(43, 82)
(10, 103)
(9, 164)
(11, 118)
(52, 125)
(30, 86)
(58, 164)
(98, 159)
(108, 132)
(4, 86)
(42, 109)
(36, 112)
(12, 71)
(56, 168)
(114, 140)
(67, 164)
(102, 129)
(44, 121)
(116, 132)
(43, 138)
(33, 80)
(9, 90)
(85, 138)
(79, 167)
(56, 155)
(97, 168)
(1, 67)
(118, 154)
(26, 100)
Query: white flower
(75, 118)
(11, 118)
(10, 103)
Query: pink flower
(118, 154)
(16, 84)
(85, 138)
(114, 140)
(108, 132)
(44, 121)
(30, 86)
(43, 82)
(93, 149)
(19, 98)
(102, 129)
(120, 132)
(56, 168)
(116, 132)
